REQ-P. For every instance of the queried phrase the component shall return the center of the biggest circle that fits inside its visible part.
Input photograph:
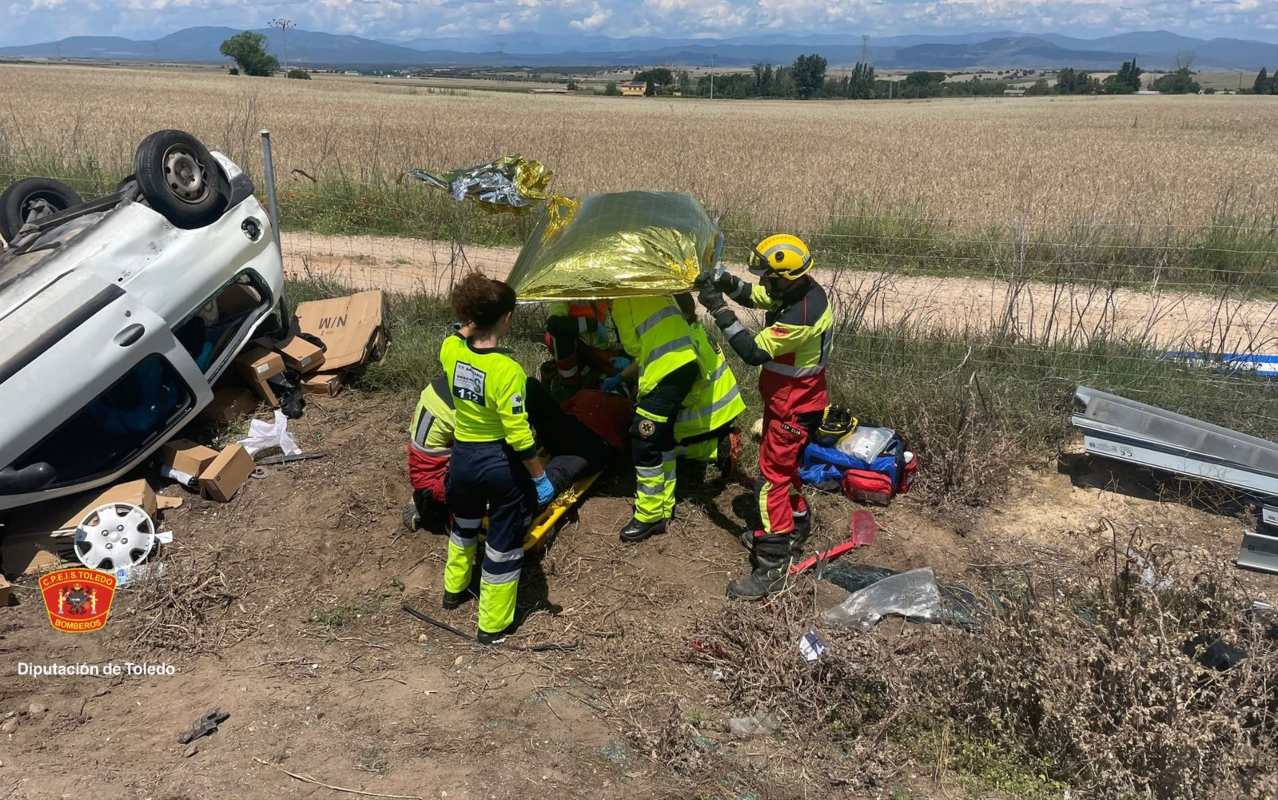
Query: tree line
(1265, 83)
(806, 79)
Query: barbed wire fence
(1158, 311)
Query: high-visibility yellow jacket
(715, 399)
(654, 333)
(792, 350)
(488, 395)
(431, 431)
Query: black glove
(704, 281)
(711, 298)
(724, 317)
(727, 283)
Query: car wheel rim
(186, 177)
(37, 208)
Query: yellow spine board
(544, 524)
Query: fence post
(272, 201)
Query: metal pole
(272, 200)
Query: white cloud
(598, 18)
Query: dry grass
(1082, 675)
(1148, 159)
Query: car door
(94, 394)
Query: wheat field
(1154, 160)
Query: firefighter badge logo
(78, 600)
(647, 428)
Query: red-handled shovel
(864, 531)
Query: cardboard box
(297, 353)
(326, 383)
(257, 365)
(183, 461)
(230, 404)
(41, 537)
(238, 299)
(226, 474)
(348, 326)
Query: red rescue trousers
(791, 412)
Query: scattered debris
(274, 435)
(36, 709)
(913, 595)
(746, 727)
(184, 461)
(811, 646)
(281, 459)
(9, 725)
(325, 383)
(304, 778)
(299, 354)
(191, 749)
(350, 327)
(44, 537)
(116, 538)
(204, 726)
(256, 367)
(226, 474)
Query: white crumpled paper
(264, 436)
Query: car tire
(179, 178)
(31, 199)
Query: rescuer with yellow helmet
(792, 351)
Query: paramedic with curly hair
(494, 467)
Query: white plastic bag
(268, 435)
(913, 595)
(865, 442)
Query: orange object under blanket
(608, 415)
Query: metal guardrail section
(1116, 427)
(1124, 429)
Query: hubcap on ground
(114, 537)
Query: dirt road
(1078, 313)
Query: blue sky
(39, 20)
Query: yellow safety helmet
(783, 254)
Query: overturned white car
(117, 315)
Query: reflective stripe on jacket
(792, 350)
(431, 431)
(654, 332)
(715, 399)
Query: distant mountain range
(1152, 49)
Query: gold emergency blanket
(509, 183)
(616, 245)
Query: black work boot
(802, 530)
(726, 456)
(484, 637)
(412, 520)
(769, 559)
(455, 599)
(637, 531)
